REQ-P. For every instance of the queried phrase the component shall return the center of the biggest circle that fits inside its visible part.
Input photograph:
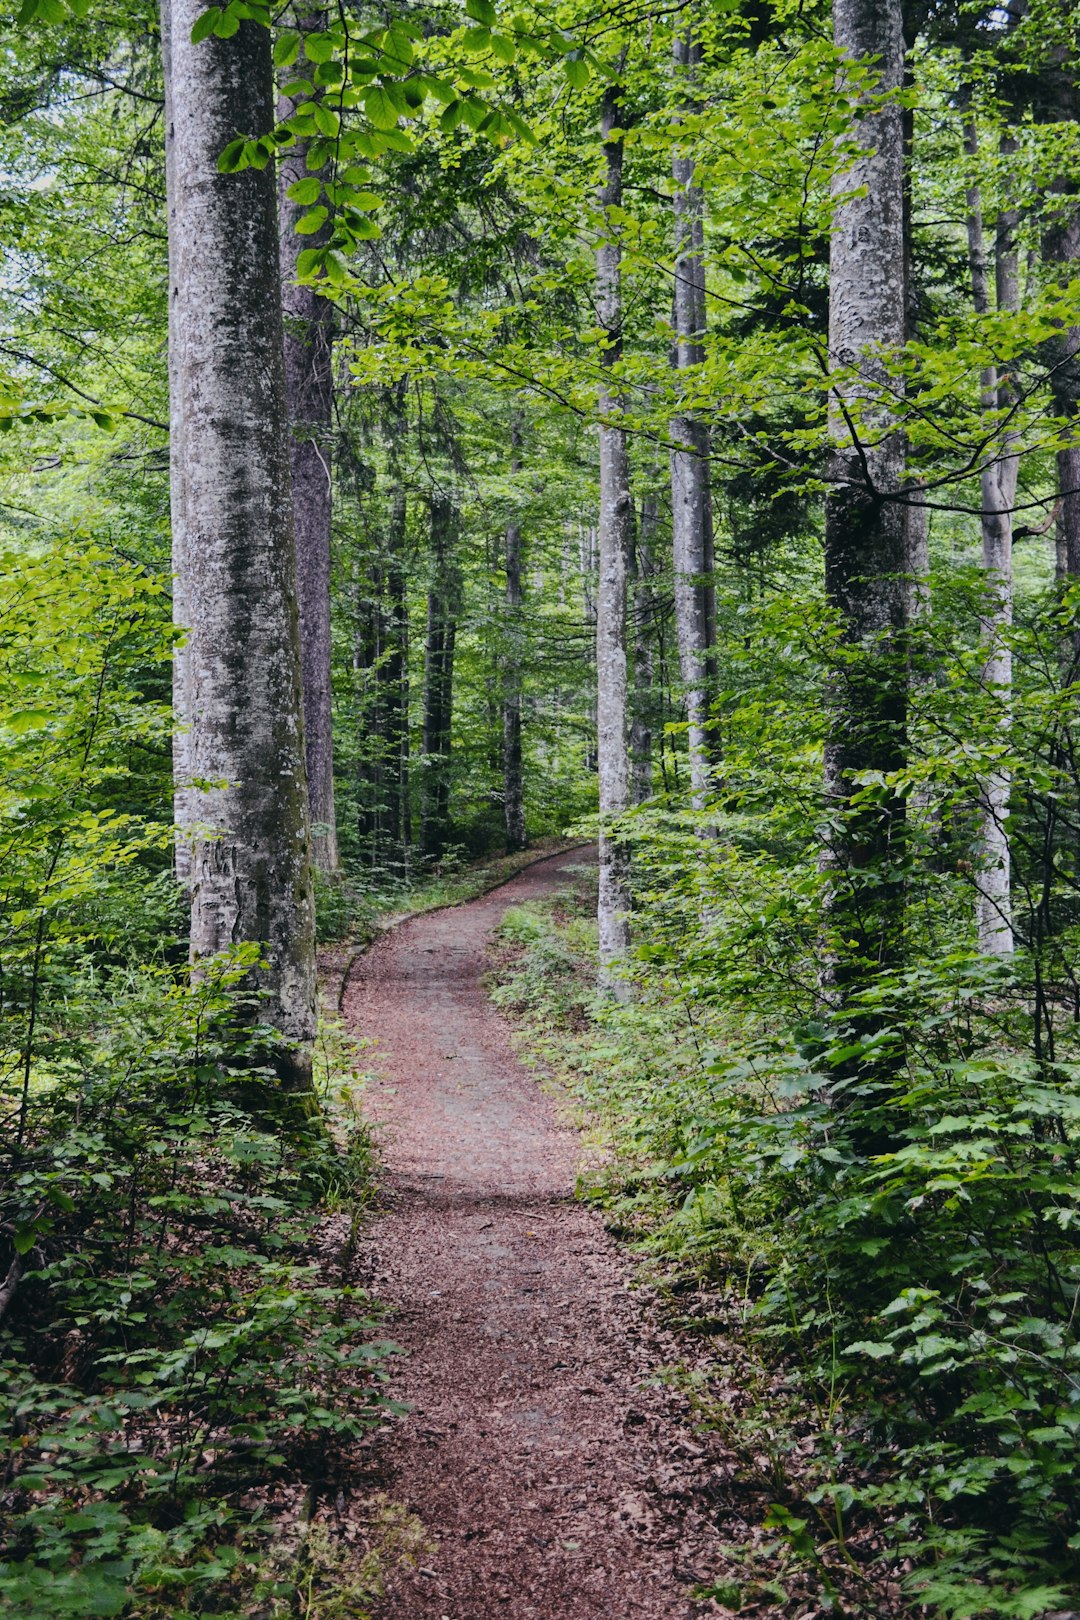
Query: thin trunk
(309, 380)
(1061, 254)
(616, 520)
(690, 495)
(397, 674)
(439, 680)
(866, 560)
(997, 483)
(181, 702)
(641, 729)
(397, 667)
(588, 561)
(513, 776)
(251, 874)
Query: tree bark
(251, 874)
(866, 561)
(997, 486)
(309, 380)
(513, 774)
(641, 727)
(181, 705)
(442, 607)
(690, 496)
(616, 522)
(1061, 253)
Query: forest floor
(556, 1475)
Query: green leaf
(287, 47)
(308, 224)
(878, 1349)
(380, 108)
(309, 261)
(365, 200)
(327, 121)
(206, 25)
(233, 158)
(576, 70)
(399, 51)
(482, 11)
(305, 192)
(318, 48)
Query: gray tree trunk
(251, 852)
(615, 531)
(587, 553)
(442, 610)
(690, 500)
(181, 705)
(866, 561)
(997, 485)
(513, 775)
(309, 379)
(641, 726)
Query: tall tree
(309, 380)
(513, 779)
(615, 531)
(997, 486)
(181, 751)
(442, 615)
(250, 848)
(644, 616)
(690, 502)
(1059, 102)
(866, 560)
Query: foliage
(911, 1261)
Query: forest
(539, 809)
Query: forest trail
(556, 1484)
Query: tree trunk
(690, 500)
(997, 485)
(865, 530)
(616, 521)
(641, 728)
(251, 875)
(589, 571)
(309, 380)
(397, 675)
(513, 776)
(442, 605)
(181, 703)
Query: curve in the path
(556, 1482)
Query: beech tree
(866, 559)
(997, 487)
(689, 461)
(615, 531)
(309, 382)
(250, 878)
(513, 780)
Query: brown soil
(556, 1480)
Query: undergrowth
(905, 1394)
(188, 1362)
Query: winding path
(556, 1481)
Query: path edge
(334, 998)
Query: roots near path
(555, 1481)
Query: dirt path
(556, 1482)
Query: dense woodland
(429, 430)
